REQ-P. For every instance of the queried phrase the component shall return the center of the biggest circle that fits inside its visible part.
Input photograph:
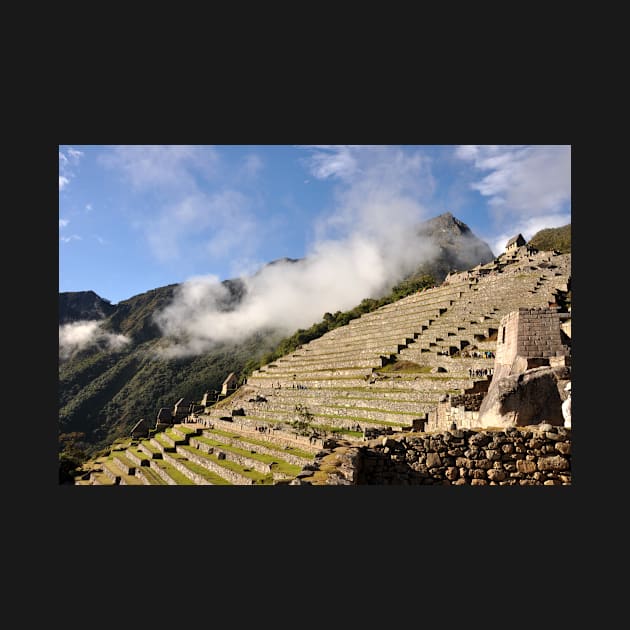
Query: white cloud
(362, 248)
(75, 154)
(88, 207)
(72, 237)
(164, 167)
(68, 160)
(63, 223)
(82, 334)
(333, 161)
(522, 180)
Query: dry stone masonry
(527, 456)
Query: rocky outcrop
(522, 399)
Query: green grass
(160, 438)
(179, 478)
(103, 479)
(359, 419)
(153, 478)
(123, 460)
(170, 432)
(330, 429)
(282, 466)
(212, 477)
(150, 447)
(404, 367)
(397, 413)
(289, 449)
(184, 429)
(257, 477)
(139, 454)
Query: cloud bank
(361, 248)
(82, 334)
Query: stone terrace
(347, 382)
(342, 379)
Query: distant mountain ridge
(103, 394)
(460, 249)
(81, 305)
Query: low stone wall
(248, 462)
(231, 475)
(128, 469)
(274, 434)
(110, 474)
(471, 402)
(169, 480)
(143, 478)
(525, 456)
(132, 457)
(282, 456)
(148, 452)
(196, 478)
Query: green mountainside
(103, 393)
(553, 238)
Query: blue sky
(133, 218)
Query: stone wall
(530, 333)
(525, 456)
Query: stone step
(230, 471)
(287, 374)
(171, 475)
(392, 406)
(101, 479)
(164, 446)
(192, 470)
(340, 420)
(288, 413)
(214, 447)
(149, 477)
(273, 432)
(123, 464)
(111, 470)
(137, 456)
(266, 448)
(150, 450)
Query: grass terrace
(255, 476)
(179, 478)
(292, 450)
(282, 466)
(152, 477)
